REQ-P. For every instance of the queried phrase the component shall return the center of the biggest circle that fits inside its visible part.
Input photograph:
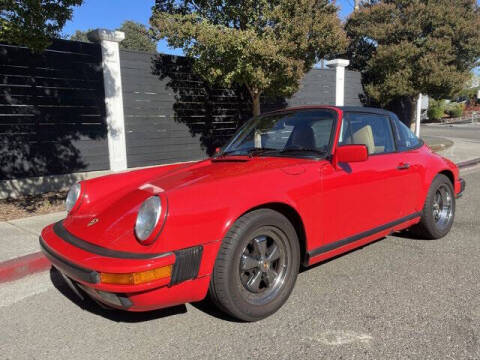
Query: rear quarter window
(404, 137)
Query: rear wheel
(257, 266)
(438, 211)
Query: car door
(363, 196)
(411, 169)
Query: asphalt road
(396, 298)
(461, 131)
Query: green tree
(265, 45)
(80, 35)
(34, 22)
(408, 47)
(137, 37)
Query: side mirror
(350, 153)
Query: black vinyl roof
(369, 110)
(362, 109)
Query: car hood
(223, 169)
(109, 219)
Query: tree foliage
(34, 22)
(137, 37)
(80, 35)
(265, 45)
(408, 47)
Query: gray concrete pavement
(460, 131)
(465, 138)
(462, 150)
(394, 299)
(437, 143)
(20, 237)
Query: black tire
(233, 288)
(435, 225)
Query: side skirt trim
(334, 245)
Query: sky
(109, 14)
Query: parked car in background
(292, 187)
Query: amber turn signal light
(137, 277)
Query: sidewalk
(462, 150)
(19, 248)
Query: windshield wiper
(303, 149)
(230, 152)
(250, 152)
(259, 151)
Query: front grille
(187, 264)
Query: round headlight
(72, 196)
(147, 217)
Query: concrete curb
(20, 267)
(30, 264)
(468, 163)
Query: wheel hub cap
(442, 208)
(262, 265)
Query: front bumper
(81, 262)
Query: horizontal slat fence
(52, 110)
(171, 114)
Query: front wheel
(257, 266)
(438, 211)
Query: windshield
(302, 132)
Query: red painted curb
(26, 265)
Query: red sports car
(292, 187)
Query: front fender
(434, 165)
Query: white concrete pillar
(418, 115)
(339, 65)
(109, 41)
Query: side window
(405, 138)
(371, 130)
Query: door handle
(403, 166)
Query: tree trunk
(256, 103)
(402, 106)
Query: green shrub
(455, 109)
(436, 109)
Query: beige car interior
(365, 136)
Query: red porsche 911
(292, 187)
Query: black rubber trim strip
(63, 233)
(334, 245)
(462, 187)
(124, 301)
(76, 271)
